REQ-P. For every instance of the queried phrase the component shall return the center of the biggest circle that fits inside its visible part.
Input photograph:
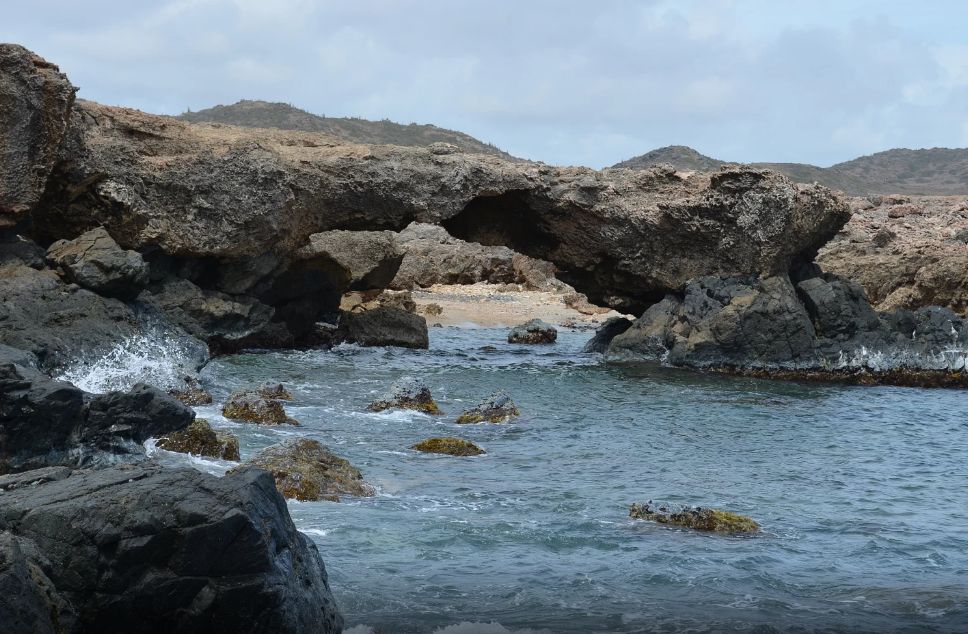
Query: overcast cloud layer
(566, 82)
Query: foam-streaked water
(862, 494)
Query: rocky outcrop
(533, 332)
(612, 327)
(698, 518)
(370, 259)
(496, 408)
(191, 392)
(306, 470)
(252, 406)
(407, 393)
(35, 107)
(448, 446)
(384, 326)
(821, 325)
(907, 252)
(29, 602)
(199, 439)
(94, 261)
(146, 549)
(45, 422)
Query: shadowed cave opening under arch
(506, 219)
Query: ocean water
(862, 494)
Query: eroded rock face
(407, 393)
(199, 439)
(35, 106)
(534, 331)
(384, 326)
(370, 258)
(306, 470)
(45, 422)
(147, 549)
(96, 262)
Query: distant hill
(937, 172)
(264, 114)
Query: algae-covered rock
(496, 408)
(192, 394)
(252, 407)
(306, 470)
(698, 518)
(449, 446)
(407, 393)
(199, 439)
(275, 391)
(534, 331)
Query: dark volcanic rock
(35, 106)
(384, 326)
(407, 393)
(45, 422)
(96, 262)
(29, 602)
(612, 327)
(143, 549)
(534, 331)
(16, 249)
(306, 470)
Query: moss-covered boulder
(534, 331)
(251, 407)
(192, 393)
(407, 393)
(449, 446)
(698, 518)
(496, 408)
(199, 439)
(306, 470)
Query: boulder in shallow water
(192, 393)
(306, 470)
(698, 518)
(384, 326)
(275, 391)
(251, 406)
(199, 439)
(407, 393)
(534, 331)
(96, 262)
(612, 327)
(448, 446)
(151, 549)
(496, 408)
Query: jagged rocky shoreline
(119, 229)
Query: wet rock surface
(533, 332)
(448, 446)
(697, 518)
(191, 392)
(199, 439)
(496, 408)
(306, 470)
(146, 549)
(252, 406)
(612, 327)
(407, 393)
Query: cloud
(563, 81)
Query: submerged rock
(698, 518)
(534, 331)
(407, 393)
(612, 327)
(496, 408)
(306, 470)
(96, 262)
(151, 549)
(192, 393)
(199, 439)
(449, 446)
(251, 406)
(384, 326)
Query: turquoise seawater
(862, 494)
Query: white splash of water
(154, 359)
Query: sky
(576, 82)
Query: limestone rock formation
(35, 107)
(407, 393)
(148, 549)
(96, 262)
(199, 439)
(369, 258)
(496, 408)
(306, 470)
(534, 331)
